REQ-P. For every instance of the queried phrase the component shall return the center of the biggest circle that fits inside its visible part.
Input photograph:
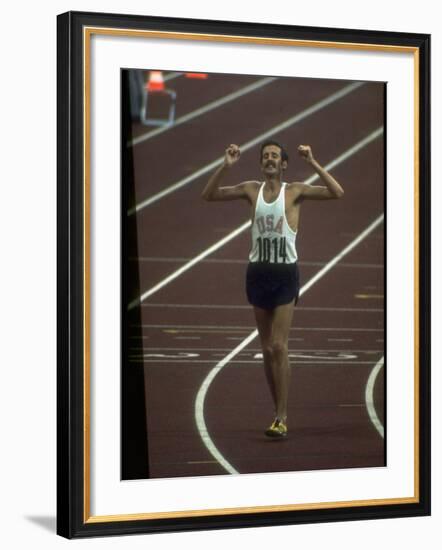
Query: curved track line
(199, 405)
(369, 400)
(202, 392)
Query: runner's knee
(278, 348)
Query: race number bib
(272, 250)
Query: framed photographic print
(243, 274)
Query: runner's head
(274, 158)
(283, 152)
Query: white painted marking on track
(341, 356)
(179, 355)
(369, 399)
(341, 309)
(205, 327)
(173, 329)
(248, 145)
(247, 307)
(199, 405)
(341, 158)
(350, 152)
(171, 76)
(188, 265)
(336, 329)
(205, 109)
(179, 259)
(225, 350)
(202, 392)
(345, 251)
(255, 363)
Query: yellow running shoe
(277, 429)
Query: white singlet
(273, 240)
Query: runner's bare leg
(273, 328)
(264, 320)
(282, 320)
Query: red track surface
(192, 323)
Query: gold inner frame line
(87, 34)
(205, 37)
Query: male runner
(272, 280)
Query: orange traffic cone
(155, 82)
(200, 76)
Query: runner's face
(271, 162)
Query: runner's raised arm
(332, 189)
(213, 191)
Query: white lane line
(197, 306)
(172, 362)
(255, 350)
(350, 152)
(236, 338)
(172, 259)
(344, 309)
(321, 352)
(199, 405)
(225, 306)
(205, 109)
(338, 160)
(168, 326)
(369, 399)
(171, 76)
(172, 329)
(202, 392)
(344, 252)
(248, 145)
(188, 265)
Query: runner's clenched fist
(232, 154)
(305, 151)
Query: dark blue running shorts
(270, 285)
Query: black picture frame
(73, 498)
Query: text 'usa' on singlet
(273, 240)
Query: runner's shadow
(49, 523)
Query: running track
(207, 409)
